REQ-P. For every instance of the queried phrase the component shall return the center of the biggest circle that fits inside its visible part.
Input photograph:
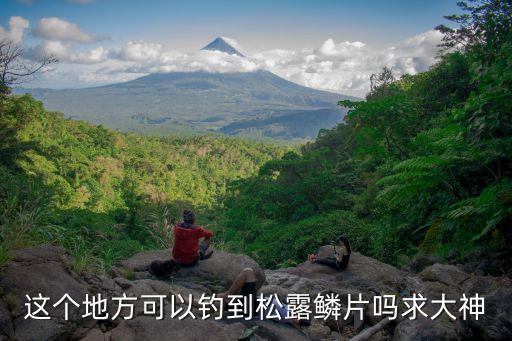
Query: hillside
(422, 166)
(104, 194)
(199, 101)
(256, 104)
(222, 45)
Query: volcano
(221, 44)
(256, 104)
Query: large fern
(492, 207)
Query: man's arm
(206, 234)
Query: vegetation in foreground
(105, 195)
(422, 166)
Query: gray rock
(142, 260)
(318, 331)
(447, 274)
(423, 329)
(95, 335)
(496, 323)
(6, 326)
(41, 254)
(221, 269)
(148, 287)
(123, 282)
(38, 330)
(363, 273)
(272, 330)
(148, 328)
(44, 270)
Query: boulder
(496, 323)
(6, 326)
(148, 287)
(291, 283)
(148, 328)
(46, 270)
(272, 330)
(95, 335)
(123, 283)
(220, 270)
(448, 274)
(363, 273)
(142, 260)
(318, 331)
(423, 329)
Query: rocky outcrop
(450, 275)
(45, 270)
(214, 273)
(147, 328)
(423, 329)
(363, 273)
(496, 323)
(49, 270)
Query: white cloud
(342, 67)
(65, 52)
(139, 51)
(17, 27)
(233, 43)
(345, 67)
(105, 78)
(152, 57)
(62, 30)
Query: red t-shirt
(186, 243)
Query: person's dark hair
(345, 242)
(189, 216)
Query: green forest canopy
(423, 165)
(103, 193)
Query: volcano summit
(257, 103)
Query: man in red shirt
(188, 247)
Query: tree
(380, 84)
(484, 27)
(15, 69)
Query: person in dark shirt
(340, 260)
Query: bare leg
(247, 275)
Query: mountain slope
(232, 103)
(200, 101)
(220, 44)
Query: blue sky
(275, 23)
(258, 26)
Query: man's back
(186, 242)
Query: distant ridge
(256, 104)
(220, 44)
